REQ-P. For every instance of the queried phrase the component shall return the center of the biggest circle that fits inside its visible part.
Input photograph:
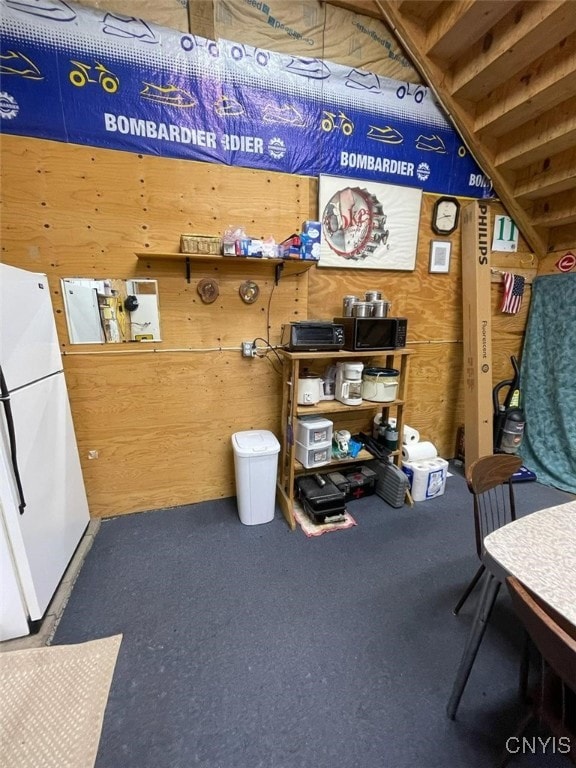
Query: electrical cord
(270, 348)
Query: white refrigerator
(43, 505)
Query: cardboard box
(310, 240)
(249, 247)
(290, 248)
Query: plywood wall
(159, 417)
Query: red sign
(566, 263)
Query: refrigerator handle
(5, 399)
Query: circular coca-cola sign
(354, 223)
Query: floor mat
(53, 703)
(311, 529)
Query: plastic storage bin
(313, 430)
(315, 456)
(256, 467)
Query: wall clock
(445, 215)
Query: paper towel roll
(419, 451)
(411, 435)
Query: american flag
(513, 292)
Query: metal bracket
(278, 272)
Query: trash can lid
(255, 442)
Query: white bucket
(380, 385)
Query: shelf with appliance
(359, 416)
(278, 266)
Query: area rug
(52, 703)
(311, 529)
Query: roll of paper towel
(419, 451)
(411, 435)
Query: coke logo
(353, 218)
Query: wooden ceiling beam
(460, 25)
(563, 238)
(526, 33)
(555, 211)
(544, 84)
(411, 36)
(547, 177)
(549, 134)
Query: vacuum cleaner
(510, 420)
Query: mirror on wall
(111, 311)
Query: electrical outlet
(248, 349)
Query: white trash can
(256, 467)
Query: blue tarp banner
(87, 76)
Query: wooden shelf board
(334, 406)
(343, 353)
(290, 266)
(364, 455)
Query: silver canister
(373, 295)
(348, 304)
(379, 308)
(362, 309)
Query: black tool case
(322, 501)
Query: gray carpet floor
(257, 647)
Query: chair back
(557, 645)
(488, 479)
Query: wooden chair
(553, 703)
(488, 479)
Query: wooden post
(477, 327)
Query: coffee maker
(348, 387)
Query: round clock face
(445, 216)
(353, 223)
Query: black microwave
(364, 333)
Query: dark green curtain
(548, 382)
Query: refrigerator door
(28, 341)
(45, 536)
(13, 619)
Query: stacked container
(313, 441)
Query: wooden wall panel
(160, 416)
(160, 421)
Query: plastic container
(256, 468)
(315, 456)
(427, 477)
(380, 385)
(313, 430)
